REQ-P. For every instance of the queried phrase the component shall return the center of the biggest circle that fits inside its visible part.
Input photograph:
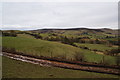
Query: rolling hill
(39, 47)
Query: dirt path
(60, 64)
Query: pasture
(39, 47)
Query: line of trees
(36, 35)
(113, 52)
(78, 57)
(11, 33)
(71, 40)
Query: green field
(100, 47)
(18, 69)
(25, 36)
(39, 47)
(94, 57)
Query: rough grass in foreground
(18, 69)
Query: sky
(59, 0)
(39, 15)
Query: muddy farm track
(42, 62)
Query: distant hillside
(78, 30)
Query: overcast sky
(30, 15)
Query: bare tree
(118, 60)
(79, 56)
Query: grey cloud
(60, 15)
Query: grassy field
(48, 48)
(94, 57)
(39, 47)
(25, 36)
(18, 69)
(100, 47)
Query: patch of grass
(25, 36)
(98, 58)
(18, 69)
(100, 47)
